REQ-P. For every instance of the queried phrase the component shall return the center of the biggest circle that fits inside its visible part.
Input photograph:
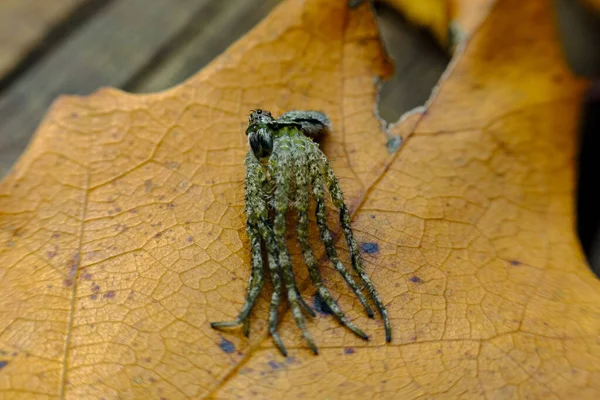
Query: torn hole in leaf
(588, 213)
(418, 60)
(579, 30)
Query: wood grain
(219, 28)
(108, 51)
(24, 23)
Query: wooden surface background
(54, 47)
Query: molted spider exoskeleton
(283, 164)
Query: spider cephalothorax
(283, 167)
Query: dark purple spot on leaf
(369, 247)
(118, 209)
(190, 239)
(274, 365)
(348, 350)
(227, 346)
(3, 364)
(320, 306)
(68, 282)
(109, 295)
(515, 263)
(415, 279)
(73, 264)
(94, 296)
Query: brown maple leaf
(123, 233)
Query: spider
(283, 165)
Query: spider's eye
(259, 111)
(261, 142)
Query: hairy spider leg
(268, 192)
(255, 208)
(262, 189)
(255, 284)
(280, 164)
(318, 187)
(303, 303)
(256, 281)
(275, 271)
(302, 199)
(338, 200)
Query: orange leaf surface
(122, 228)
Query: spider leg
(304, 304)
(255, 282)
(357, 263)
(309, 257)
(282, 165)
(318, 186)
(272, 256)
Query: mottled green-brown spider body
(284, 165)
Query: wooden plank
(24, 23)
(213, 34)
(109, 50)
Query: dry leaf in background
(123, 233)
(593, 3)
(450, 21)
(434, 14)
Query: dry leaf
(459, 18)
(123, 233)
(593, 3)
(434, 14)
